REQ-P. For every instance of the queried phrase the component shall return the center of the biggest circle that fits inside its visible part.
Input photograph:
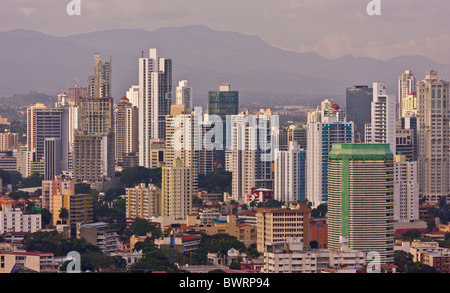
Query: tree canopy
(133, 176)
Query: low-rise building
(37, 261)
(100, 235)
(14, 220)
(181, 242)
(290, 257)
(439, 260)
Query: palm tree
(64, 215)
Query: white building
(325, 127)
(184, 95)
(290, 173)
(254, 145)
(290, 257)
(13, 220)
(406, 190)
(155, 87)
(382, 128)
(133, 95)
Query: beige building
(278, 224)
(31, 143)
(93, 157)
(243, 232)
(126, 122)
(176, 191)
(37, 261)
(143, 201)
(8, 140)
(433, 131)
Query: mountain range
(263, 74)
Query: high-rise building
(382, 128)
(96, 115)
(297, 133)
(133, 95)
(143, 201)
(279, 224)
(8, 140)
(326, 127)
(184, 95)
(254, 144)
(405, 141)
(290, 174)
(406, 190)
(358, 108)
(409, 105)
(433, 136)
(155, 98)
(53, 158)
(93, 157)
(223, 103)
(126, 129)
(57, 185)
(176, 191)
(361, 198)
(406, 87)
(31, 125)
(99, 85)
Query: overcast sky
(332, 28)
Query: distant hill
(25, 100)
(32, 61)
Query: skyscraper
(406, 190)
(382, 128)
(327, 126)
(126, 129)
(406, 86)
(99, 85)
(290, 174)
(155, 99)
(176, 191)
(433, 136)
(184, 95)
(361, 198)
(358, 108)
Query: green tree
(431, 225)
(320, 211)
(18, 194)
(133, 176)
(314, 244)
(218, 181)
(411, 234)
(402, 259)
(83, 188)
(34, 180)
(419, 268)
(273, 203)
(64, 215)
(46, 217)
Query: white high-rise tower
(155, 98)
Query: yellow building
(243, 232)
(143, 201)
(80, 207)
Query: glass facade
(358, 108)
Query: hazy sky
(332, 28)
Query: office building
(53, 158)
(406, 190)
(79, 206)
(155, 98)
(361, 198)
(326, 127)
(433, 136)
(358, 108)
